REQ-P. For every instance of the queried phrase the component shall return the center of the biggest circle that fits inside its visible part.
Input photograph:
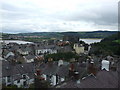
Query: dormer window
(60, 62)
(8, 79)
(18, 81)
(24, 76)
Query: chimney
(71, 70)
(53, 80)
(60, 62)
(91, 68)
(112, 66)
(38, 71)
(50, 59)
(72, 67)
(105, 65)
(76, 77)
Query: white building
(23, 52)
(78, 48)
(9, 54)
(55, 72)
(21, 75)
(43, 51)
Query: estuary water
(15, 41)
(90, 41)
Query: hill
(95, 34)
(108, 46)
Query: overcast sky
(58, 15)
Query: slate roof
(108, 79)
(6, 68)
(30, 57)
(104, 79)
(16, 70)
(19, 57)
(64, 48)
(23, 68)
(1, 67)
(5, 52)
(17, 77)
(14, 48)
(16, 57)
(63, 71)
(45, 47)
(49, 46)
(52, 68)
(10, 58)
(69, 84)
(25, 48)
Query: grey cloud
(22, 19)
(99, 17)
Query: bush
(66, 56)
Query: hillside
(95, 34)
(108, 46)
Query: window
(18, 81)
(3, 80)
(24, 76)
(24, 83)
(8, 79)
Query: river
(15, 41)
(90, 41)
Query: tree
(41, 83)
(66, 56)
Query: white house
(89, 47)
(78, 48)
(21, 75)
(29, 58)
(45, 49)
(23, 52)
(55, 72)
(25, 81)
(9, 54)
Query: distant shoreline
(91, 38)
(87, 40)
